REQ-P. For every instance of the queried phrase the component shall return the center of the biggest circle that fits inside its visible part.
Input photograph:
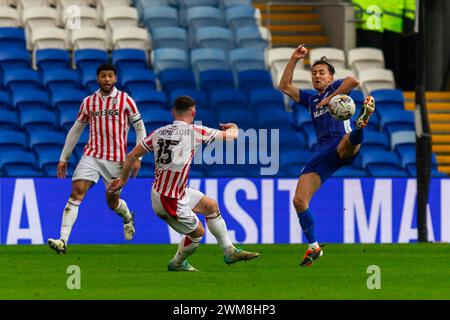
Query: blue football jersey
(329, 131)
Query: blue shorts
(325, 163)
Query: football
(342, 107)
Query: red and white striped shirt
(109, 120)
(174, 147)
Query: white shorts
(178, 212)
(90, 168)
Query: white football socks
(69, 217)
(187, 247)
(123, 211)
(313, 245)
(218, 228)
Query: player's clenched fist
(61, 170)
(115, 185)
(300, 52)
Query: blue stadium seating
(67, 118)
(30, 100)
(46, 140)
(225, 4)
(153, 119)
(249, 80)
(199, 96)
(141, 5)
(170, 58)
(17, 159)
(207, 117)
(250, 37)
(246, 59)
(374, 160)
(47, 59)
(89, 80)
(399, 139)
(8, 120)
(150, 100)
(12, 38)
(349, 172)
(207, 59)
(310, 134)
(48, 161)
(244, 119)
(397, 120)
(214, 37)
(267, 99)
(240, 16)
(273, 119)
(57, 80)
(388, 99)
(14, 59)
(12, 140)
(200, 17)
(35, 120)
(170, 37)
(161, 16)
(358, 97)
(388, 172)
(68, 99)
(294, 157)
(128, 59)
(215, 80)
(229, 99)
(375, 140)
(21, 79)
(301, 116)
(289, 139)
(87, 60)
(138, 79)
(412, 170)
(5, 101)
(173, 79)
(19, 172)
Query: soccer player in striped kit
(173, 201)
(109, 113)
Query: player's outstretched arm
(71, 140)
(230, 131)
(346, 86)
(117, 184)
(285, 84)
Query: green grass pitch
(408, 271)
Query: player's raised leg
(189, 243)
(121, 208)
(307, 185)
(218, 228)
(79, 190)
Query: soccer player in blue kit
(337, 143)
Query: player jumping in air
(337, 144)
(174, 146)
(109, 113)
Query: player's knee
(77, 194)
(212, 207)
(300, 204)
(199, 232)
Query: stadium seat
(200, 97)
(412, 171)
(160, 16)
(49, 37)
(17, 159)
(203, 59)
(184, 5)
(41, 140)
(375, 140)
(336, 56)
(273, 119)
(200, 17)
(56, 80)
(9, 17)
(8, 120)
(174, 79)
(225, 4)
(21, 79)
(252, 37)
(155, 118)
(12, 140)
(349, 172)
(128, 59)
(138, 79)
(246, 59)
(141, 5)
(408, 158)
(372, 160)
(206, 118)
(12, 38)
(30, 99)
(290, 139)
(14, 59)
(67, 118)
(87, 60)
(388, 99)
(341, 73)
(266, 99)
(277, 58)
(300, 79)
(169, 58)
(131, 38)
(103, 5)
(388, 173)
(5, 101)
(216, 79)
(117, 17)
(47, 59)
(294, 157)
(214, 37)
(241, 16)
(35, 120)
(35, 18)
(89, 38)
(68, 99)
(249, 80)
(397, 120)
(300, 115)
(358, 97)
(150, 100)
(243, 118)
(170, 37)
(373, 79)
(48, 161)
(229, 99)
(402, 138)
(86, 17)
(360, 59)
(14, 171)
(310, 134)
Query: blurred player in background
(109, 113)
(337, 144)
(174, 146)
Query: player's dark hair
(183, 103)
(106, 67)
(324, 60)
